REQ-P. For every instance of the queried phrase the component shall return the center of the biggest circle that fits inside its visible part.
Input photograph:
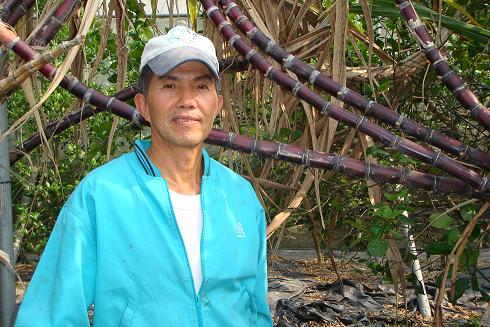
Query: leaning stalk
(370, 108)
(453, 82)
(360, 123)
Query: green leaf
(461, 286)
(192, 7)
(452, 236)
(377, 247)
(384, 212)
(387, 8)
(376, 231)
(467, 212)
(440, 221)
(438, 248)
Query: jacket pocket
(128, 314)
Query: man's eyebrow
(176, 78)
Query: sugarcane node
(435, 187)
(463, 151)
(429, 135)
(222, 24)
(88, 95)
(249, 54)
(437, 62)
(476, 109)
(395, 141)
(240, 19)
(73, 81)
(400, 120)
(341, 95)
(404, 172)
(210, 10)
(268, 71)
(460, 88)
(484, 185)
(369, 107)
(229, 139)
(109, 103)
(229, 7)
(367, 173)
(233, 39)
(296, 88)
(288, 62)
(252, 32)
(270, 46)
(326, 108)
(12, 43)
(435, 158)
(56, 21)
(253, 148)
(135, 118)
(360, 122)
(305, 158)
(446, 76)
(313, 76)
(278, 152)
(403, 5)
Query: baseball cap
(181, 44)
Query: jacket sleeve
(260, 292)
(62, 287)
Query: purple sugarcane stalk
(453, 82)
(370, 108)
(360, 123)
(279, 151)
(18, 11)
(55, 22)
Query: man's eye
(168, 86)
(203, 86)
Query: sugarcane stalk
(22, 73)
(452, 81)
(6, 9)
(360, 123)
(347, 166)
(55, 22)
(19, 11)
(280, 151)
(370, 108)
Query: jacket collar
(144, 162)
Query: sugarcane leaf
(377, 247)
(387, 8)
(192, 7)
(440, 221)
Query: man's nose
(187, 96)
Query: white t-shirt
(188, 213)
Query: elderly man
(164, 235)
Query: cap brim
(165, 62)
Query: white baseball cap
(165, 52)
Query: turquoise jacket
(116, 245)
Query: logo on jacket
(240, 233)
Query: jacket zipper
(203, 283)
(197, 302)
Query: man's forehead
(190, 68)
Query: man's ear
(140, 102)
(219, 105)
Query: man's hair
(145, 77)
(144, 80)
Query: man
(164, 235)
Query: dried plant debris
(305, 293)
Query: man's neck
(182, 167)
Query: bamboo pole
(7, 276)
(453, 82)
(370, 108)
(360, 123)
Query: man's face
(181, 106)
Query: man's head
(178, 84)
(165, 52)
